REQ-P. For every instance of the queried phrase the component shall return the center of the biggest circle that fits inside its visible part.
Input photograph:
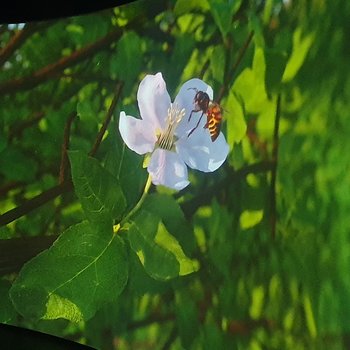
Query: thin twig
(63, 187)
(51, 70)
(15, 252)
(229, 76)
(171, 338)
(107, 120)
(65, 147)
(9, 187)
(274, 168)
(34, 203)
(18, 39)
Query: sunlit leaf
(159, 251)
(97, 189)
(250, 218)
(236, 124)
(85, 268)
(301, 46)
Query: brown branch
(65, 147)
(15, 252)
(10, 186)
(274, 168)
(45, 73)
(107, 120)
(17, 40)
(35, 202)
(229, 77)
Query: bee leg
(196, 125)
(193, 110)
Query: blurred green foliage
(239, 259)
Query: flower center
(167, 137)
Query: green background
(253, 256)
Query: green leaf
(97, 189)
(250, 84)
(158, 262)
(236, 124)
(125, 165)
(301, 47)
(85, 268)
(186, 6)
(166, 241)
(166, 208)
(126, 63)
(217, 63)
(7, 311)
(250, 218)
(159, 252)
(222, 12)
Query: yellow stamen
(167, 138)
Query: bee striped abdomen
(214, 118)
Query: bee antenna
(193, 89)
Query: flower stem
(137, 205)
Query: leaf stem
(139, 203)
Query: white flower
(163, 129)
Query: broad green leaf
(217, 63)
(166, 241)
(85, 268)
(265, 122)
(7, 311)
(127, 60)
(186, 6)
(159, 252)
(236, 124)
(182, 52)
(158, 262)
(250, 84)
(166, 208)
(301, 46)
(97, 189)
(250, 218)
(126, 166)
(222, 12)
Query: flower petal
(166, 168)
(153, 100)
(139, 135)
(185, 99)
(199, 152)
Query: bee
(211, 109)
